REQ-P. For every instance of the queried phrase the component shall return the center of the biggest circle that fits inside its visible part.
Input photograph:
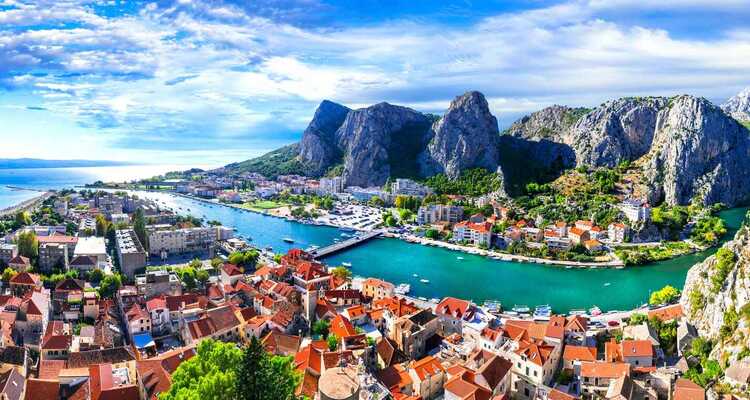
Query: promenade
(25, 205)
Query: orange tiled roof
(601, 369)
(579, 353)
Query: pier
(336, 247)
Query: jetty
(336, 247)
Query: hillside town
(493, 224)
(117, 293)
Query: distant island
(18, 163)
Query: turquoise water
(474, 277)
(58, 178)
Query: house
(626, 388)
(25, 282)
(20, 263)
(452, 313)
(428, 377)
(685, 389)
(159, 315)
(578, 235)
(412, 333)
(377, 289)
(635, 210)
(158, 283)
(638, 353)
(617, 232)
(281, 344)
(83, 263)
(107, 381)
(484, 370)
(155, 374)
(534, 365)
(573, 356)
(595, 377)
(219, 323)
(686, 333)
(138, 320)
(230, 274)
(478, 234)
(641, 332)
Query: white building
(617, 232)
(331, 185)
(636, 210)
(120, 219)
(409, 187)
(91, 246)
(433, 213)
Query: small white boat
(577, 312)
(347, 264)
(288, 240)
(414, 275)
(424, 280)
(607, 284)
(542, 312)
(521, 309)
(459, 258)
(434, 300)
(422, 298)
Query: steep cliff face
(465, 137)
(739, 106)
(318, 150)
(550, 123)
(687, 148)
(619, 130)
(370, 139)
(698, 152)
(715, 292)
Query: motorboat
(288, 240)
(521, 309)
(347, 264)
(424, 280)
(493, 306)
(595, 311)
(459, 258)
(542, 312)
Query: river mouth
(454, 273)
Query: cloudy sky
(212, 82)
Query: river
(471, 277)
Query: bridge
(343, 245)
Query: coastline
(26, 204)
(428, 242)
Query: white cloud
(220, 73)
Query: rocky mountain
(465, 137)
(716, 297)
(318, 147)
(698, 152)
(378, 139)
(738, 106)
(687, 147)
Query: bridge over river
(343, 245)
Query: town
(106, 294)
(564, 230)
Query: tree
(102, 225)
(320, 327)
(23, 218)
(202, 276)
(109, 286)
(342, 273)
(333, 342)
(665, 295)
(209, 375)
(432, 234)
(95, 276)
(261, 376)
(216, 262)
(28, 245)
(638, 318)
(8, 274)
(139, 226)
(247, 259)
(188, 277)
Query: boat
(347, 264)
(542, 312)
(424, 280)
(402, 289)
(288, 240)
(521, 309)
(493, 306)
(595, 311)
(577, 312)
(568, 266)
(346, 234)
(269, 248)
(414, 275)
(607, 284)
(422, 298)
(459, 258)
(434, 300)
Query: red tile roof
(453, 307)
(537, 352)
(602, 369)
(579, 353)
(25, 278)
(426, 366)
(342, 327)
(637, 348)
(687, 390)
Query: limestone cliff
(317, 149)
(465, 137)
(738, 106)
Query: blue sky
(199, 82)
